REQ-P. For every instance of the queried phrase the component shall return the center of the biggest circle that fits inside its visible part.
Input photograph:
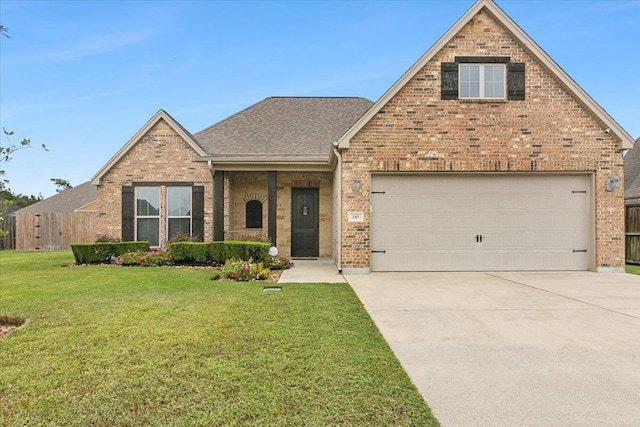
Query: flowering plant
(278, 263)
(244, 271)
(144, 259)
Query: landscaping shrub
(104, 238)
(258, 251)
(208, 253)
(278, 263)
(190, 253)
(216, 252)
(244, 271)
(143, 259)
(183, 237)
(95, 253)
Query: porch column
(218, 205)
(272, 201)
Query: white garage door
(480, 222)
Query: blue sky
(83, 77)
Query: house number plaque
(355, 217)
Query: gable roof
(626, 141)
(296, 129)
(66, 201)
(632, 172)
(160, 115)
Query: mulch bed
(7, 324)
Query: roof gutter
(266, 164)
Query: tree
(8, 200)
(62, 184)
(7, 152)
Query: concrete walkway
(514, 349)
(312, 271)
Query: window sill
(484, 101)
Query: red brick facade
(555, 129)
(160, 155)
(549, 131)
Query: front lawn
(632, 269)
(138, 346)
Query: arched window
(254, 214)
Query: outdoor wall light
(355, 185)
(613, 183)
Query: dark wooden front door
(304, 222)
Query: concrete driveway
(514, 349)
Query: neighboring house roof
(626, 141)
(160, 115)
(632, 172)
(65, 201)
(279, 128)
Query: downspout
(339, 230)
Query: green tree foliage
(62, 184)
(10, 202)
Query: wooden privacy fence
(8, 224)
(632, 234)
(53, 231)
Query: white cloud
(89, 45)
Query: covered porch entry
(290, 209)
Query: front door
(304, 222)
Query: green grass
(633, 269)
(108, 346)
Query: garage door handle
(579, 250)
(479, 238)
(378, 252)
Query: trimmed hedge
(208, 253)
(95, 253)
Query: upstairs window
(483, 77)
(482, 81)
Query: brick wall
(161, 155)
(289, 180)
(550, 131)
(243, 187)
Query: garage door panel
(431, 223)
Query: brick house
(484, 155)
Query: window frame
(169, 217)
(482, 81)
(137, 215)
(246, 215)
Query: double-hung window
(148, 215)
(178, 211)
(483, 78)
(482, 81)
(157, 211)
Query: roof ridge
(315, 97)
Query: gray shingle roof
(632, 172)
(65, 201)
(296, 127)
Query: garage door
(480, 222)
